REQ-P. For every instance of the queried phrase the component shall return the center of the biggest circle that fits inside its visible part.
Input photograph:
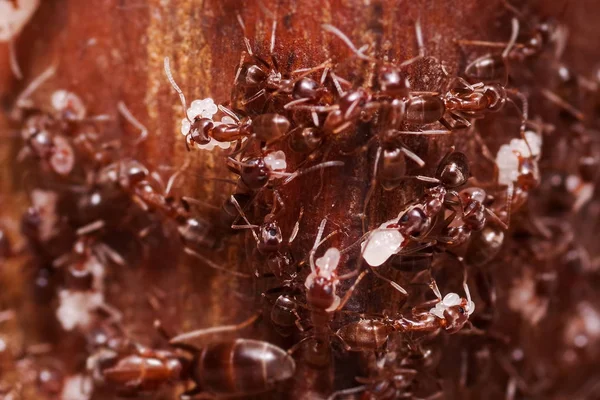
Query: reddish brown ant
(450, 313)
(258, 83)
(201, 130)
(221, 366)
(321, 298)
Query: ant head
(135, 172)
(453, 170)
(454, 310)
(391, 81)
(306, 88)
(270, 236)
(199, 128)
(355, 99)
(456, 317)
(252, 75)
(414, 222)
(321, 292)
(255, 173)
(496, 95)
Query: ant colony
(382, 224)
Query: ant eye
(272, 232)
(461, 310)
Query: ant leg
(296, 228)
(418, 160)
(554, 98)
(176, 175)
(213, 265)
(311, 256)
(391, 282)
(14, 62)
(243, 215)
(332, 29)
(372, 187)
(291, 177)
(133, 121)
(351, 290)
(258, 94)
(202, 337)
(322, 172)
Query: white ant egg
(276, 161)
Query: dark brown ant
(258, 83)
(321, 298)
(146, 370)
(418, 219)
(268, 237)
(222, 366)
(387, 383)
(449, 314)
(201, 130)
(473, 218)
(257, 172)
(492, 68)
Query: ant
(517, 168)
(258, 83)
(269, 239)
(257, 172)
(416, 221)
(222, 366)
(201, 130)
(321, 298)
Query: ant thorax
(511, 156)
(382, 243)
(205, 108)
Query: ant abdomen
(425, 109)
(305, 140)
(241, 367)
(365, 335)
(269, 127)
(490, 68)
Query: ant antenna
(175, 86)
(246, 40)
(35, 84)
(273, 29)
(419, 35)
(513, 38)
(317, 242)
(133, 121)
(14, 63)
(296, 174)
(332, 29)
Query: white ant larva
(199, 110)
(382, 243)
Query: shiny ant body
(220, 366)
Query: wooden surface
(112, 50)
